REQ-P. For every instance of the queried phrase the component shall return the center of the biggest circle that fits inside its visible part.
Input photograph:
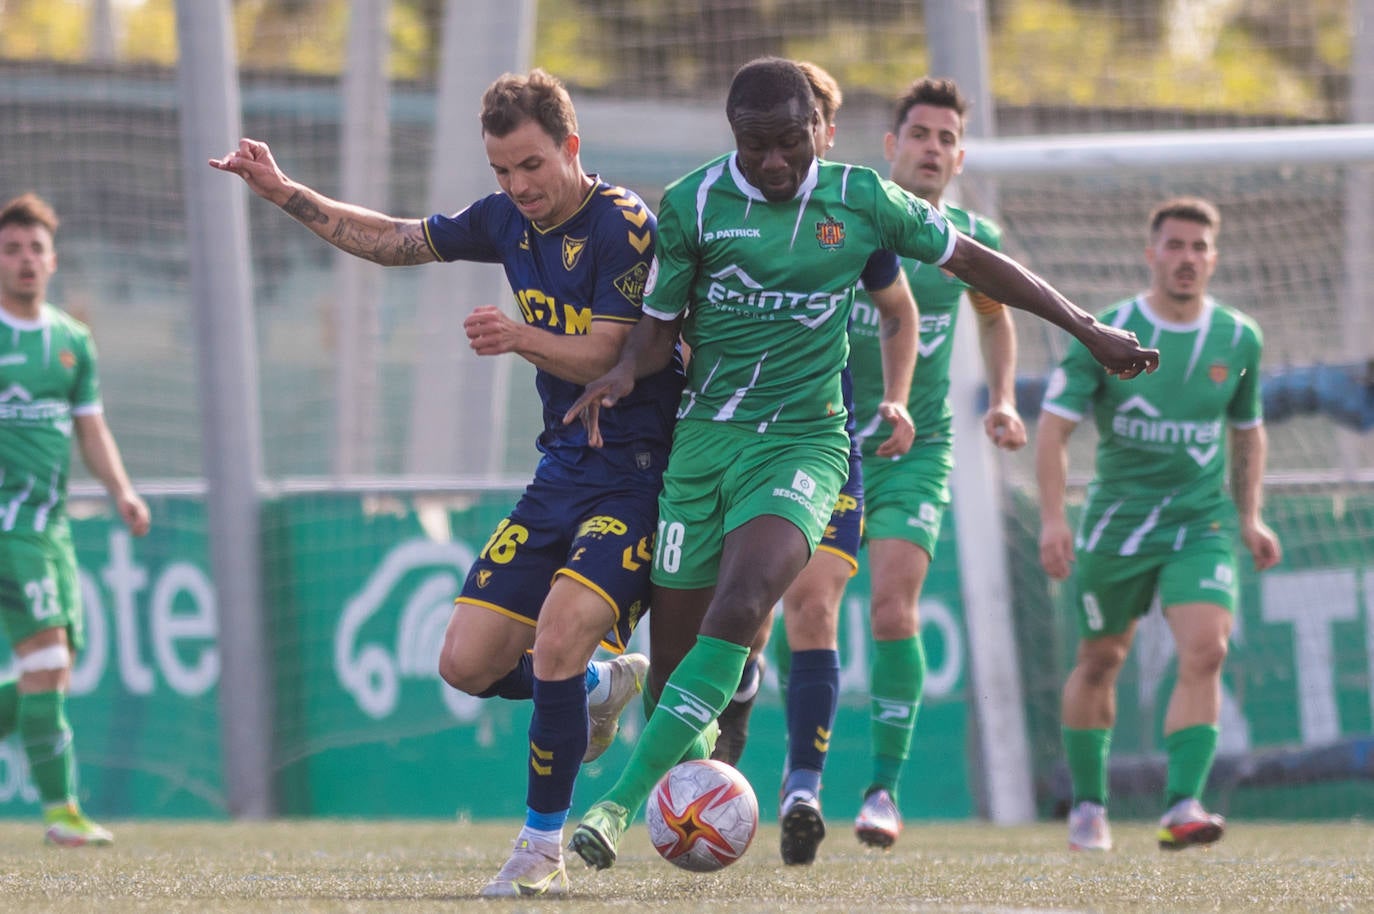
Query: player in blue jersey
(759, 252)
(553, 578)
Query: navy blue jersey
(591, 267)
(881, 271)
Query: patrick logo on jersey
(1142, 423)
(732, 289)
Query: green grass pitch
(354, 866)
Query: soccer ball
(702, 815)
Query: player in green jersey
(1157, 521)
(49, 388)
(758, 254)
(906, 497)
(809, 642)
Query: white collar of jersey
(1204, 316)
(807, 185)
(18, 323)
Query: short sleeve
(625, 247)
(1073, 384)
(470, 234)
(1246, 408)
(667, 291)
(911, 226)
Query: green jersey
(937, 294)
(1161, 453)
(47, 376)
(768, 288)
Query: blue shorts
(846, 528)
(601, 537)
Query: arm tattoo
(889, 327)
(395, 244)
(303, 209)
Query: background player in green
(758, 254)
(49, 387)
(1157, 520)
(905, 497)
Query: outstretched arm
(899, 328)
(1001, 278)
(360, 231)
(648, 348)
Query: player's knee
(1099, 662)
(1204, 658)
(465, 676)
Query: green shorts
(906, 498)
(1112, 591)
(39, 587)
(720, 477)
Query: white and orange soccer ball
(702, 815)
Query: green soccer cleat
(67, 827)
(627, 674)
(597, 835)
(532, 869)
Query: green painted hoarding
(358, 592)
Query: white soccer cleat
(1088, 828)
(532, 869)
(879, 823)
(627, 674)
(1187, 824)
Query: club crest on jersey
(632, 282)
(830, 234)
(572, 251)
(483, 578)
(1219, 372)
(525, 240)
(67, 358)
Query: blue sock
(545, 821)
(812, 696)
(558, 740)
(517, 685)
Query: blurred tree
(1257, 56)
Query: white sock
(538, 837)
(602, 691)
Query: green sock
(700, 748)
(9, 707)
(1191, 751)
(782, 658)
(896, 682)
(1087, 751)
(47, 739)
(694, 695)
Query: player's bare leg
(1088, 715)
(1202, 632)
(896, 680)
